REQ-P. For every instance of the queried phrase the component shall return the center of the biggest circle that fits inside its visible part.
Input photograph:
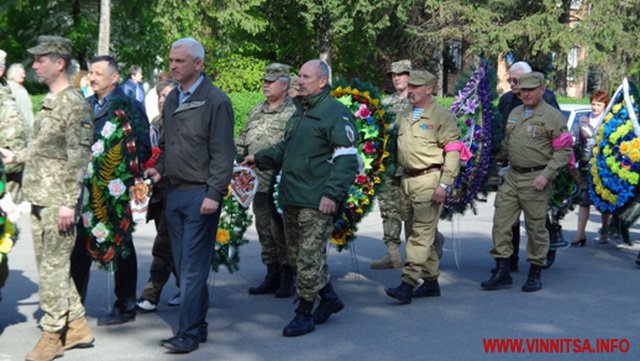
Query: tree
(105, 27)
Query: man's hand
(153, 174)
(327, 206)
(439, 195)
(249, 161)
(7, 155)
(539, 183)
(66, 219)
(209, 206)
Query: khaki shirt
(263, 129)
(58, 151)
(421, 142)
(527, 141)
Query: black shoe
(117, 317)
(271, 281)
(551, 259)
(202, 334)
(499, 279)
(579, 243)
(181, 343)
(430, 288)
(638, 260)
(533, 280)
(329, 303)
(287, 286)
(302, 323)
(402, 293)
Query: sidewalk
(590, 293)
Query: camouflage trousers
(307, 231)
(389, 200)
(59, 299)
(270, 230)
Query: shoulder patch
(87, 124)
(350, 133)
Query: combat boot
(402, 293)
(500, 278)
(329, 303)
(551, 258)
(287, 282)
(533, 281)
(48, 348)
(430, 288)
(302, 323)
(78, 334)
(271, 281)
(391, 259)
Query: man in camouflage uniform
(319, 162)
(265, 128)
(429, 154)
(57, 156)
(533, 145)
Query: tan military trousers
(422, 259)
(59, 299)
(517, 194)
(307, 231)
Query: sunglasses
(513, 81)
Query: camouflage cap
(275, 71)
(3, 58)
(48, 44)
(422, 77)
(400, 66)
(531, 80)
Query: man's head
(186, 59)
(422, 85)
(3, 59)
(103, 75)
(531, 88)
(16, 73)
(515, 72)
(313, 78)
(135, 74)
(399, 73)
(163, 88)
(275, 81)
(52, 58)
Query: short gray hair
(285, 80)
(324, 70)
(196, 51)
(13, 70)
(521, 66)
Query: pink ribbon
(565, 140)
(465, 153)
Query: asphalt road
(590, 295)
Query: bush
(242, 103)
(239, 74)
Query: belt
(409, 173)
(186, 186)
(528, 169)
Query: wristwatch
(445, 186)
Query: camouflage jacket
(396, 105)
(264, 128)
(14, 133)
(58, 151)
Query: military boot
(402, 293)
(430, 288)
(391, 259)
(48, 348)
(329, 303)
(302, 323)
(500, 278)
(78, 334)
(551, 258)
(533, 281)
(271, 281)
(287, 282)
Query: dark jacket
(319, 125)
(197, 140)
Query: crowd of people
(300, 130)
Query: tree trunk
(105, 27)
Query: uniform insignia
(350, 134)
(426, 126)
(87, 124)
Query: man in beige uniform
(533, 146)
(426, 133)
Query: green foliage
(237, 74)
(242, 103)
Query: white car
(572, 113)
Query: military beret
(531, 80)
(48, 44)
(422, 77)
(275, 71)
(400, 66)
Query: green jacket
(319, 125)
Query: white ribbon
(340, 151)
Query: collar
(313, 100)
(279, 109)
(184, 95)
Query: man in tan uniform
(55, 161)
(533, 146)
(265, 128)
(429, 154)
